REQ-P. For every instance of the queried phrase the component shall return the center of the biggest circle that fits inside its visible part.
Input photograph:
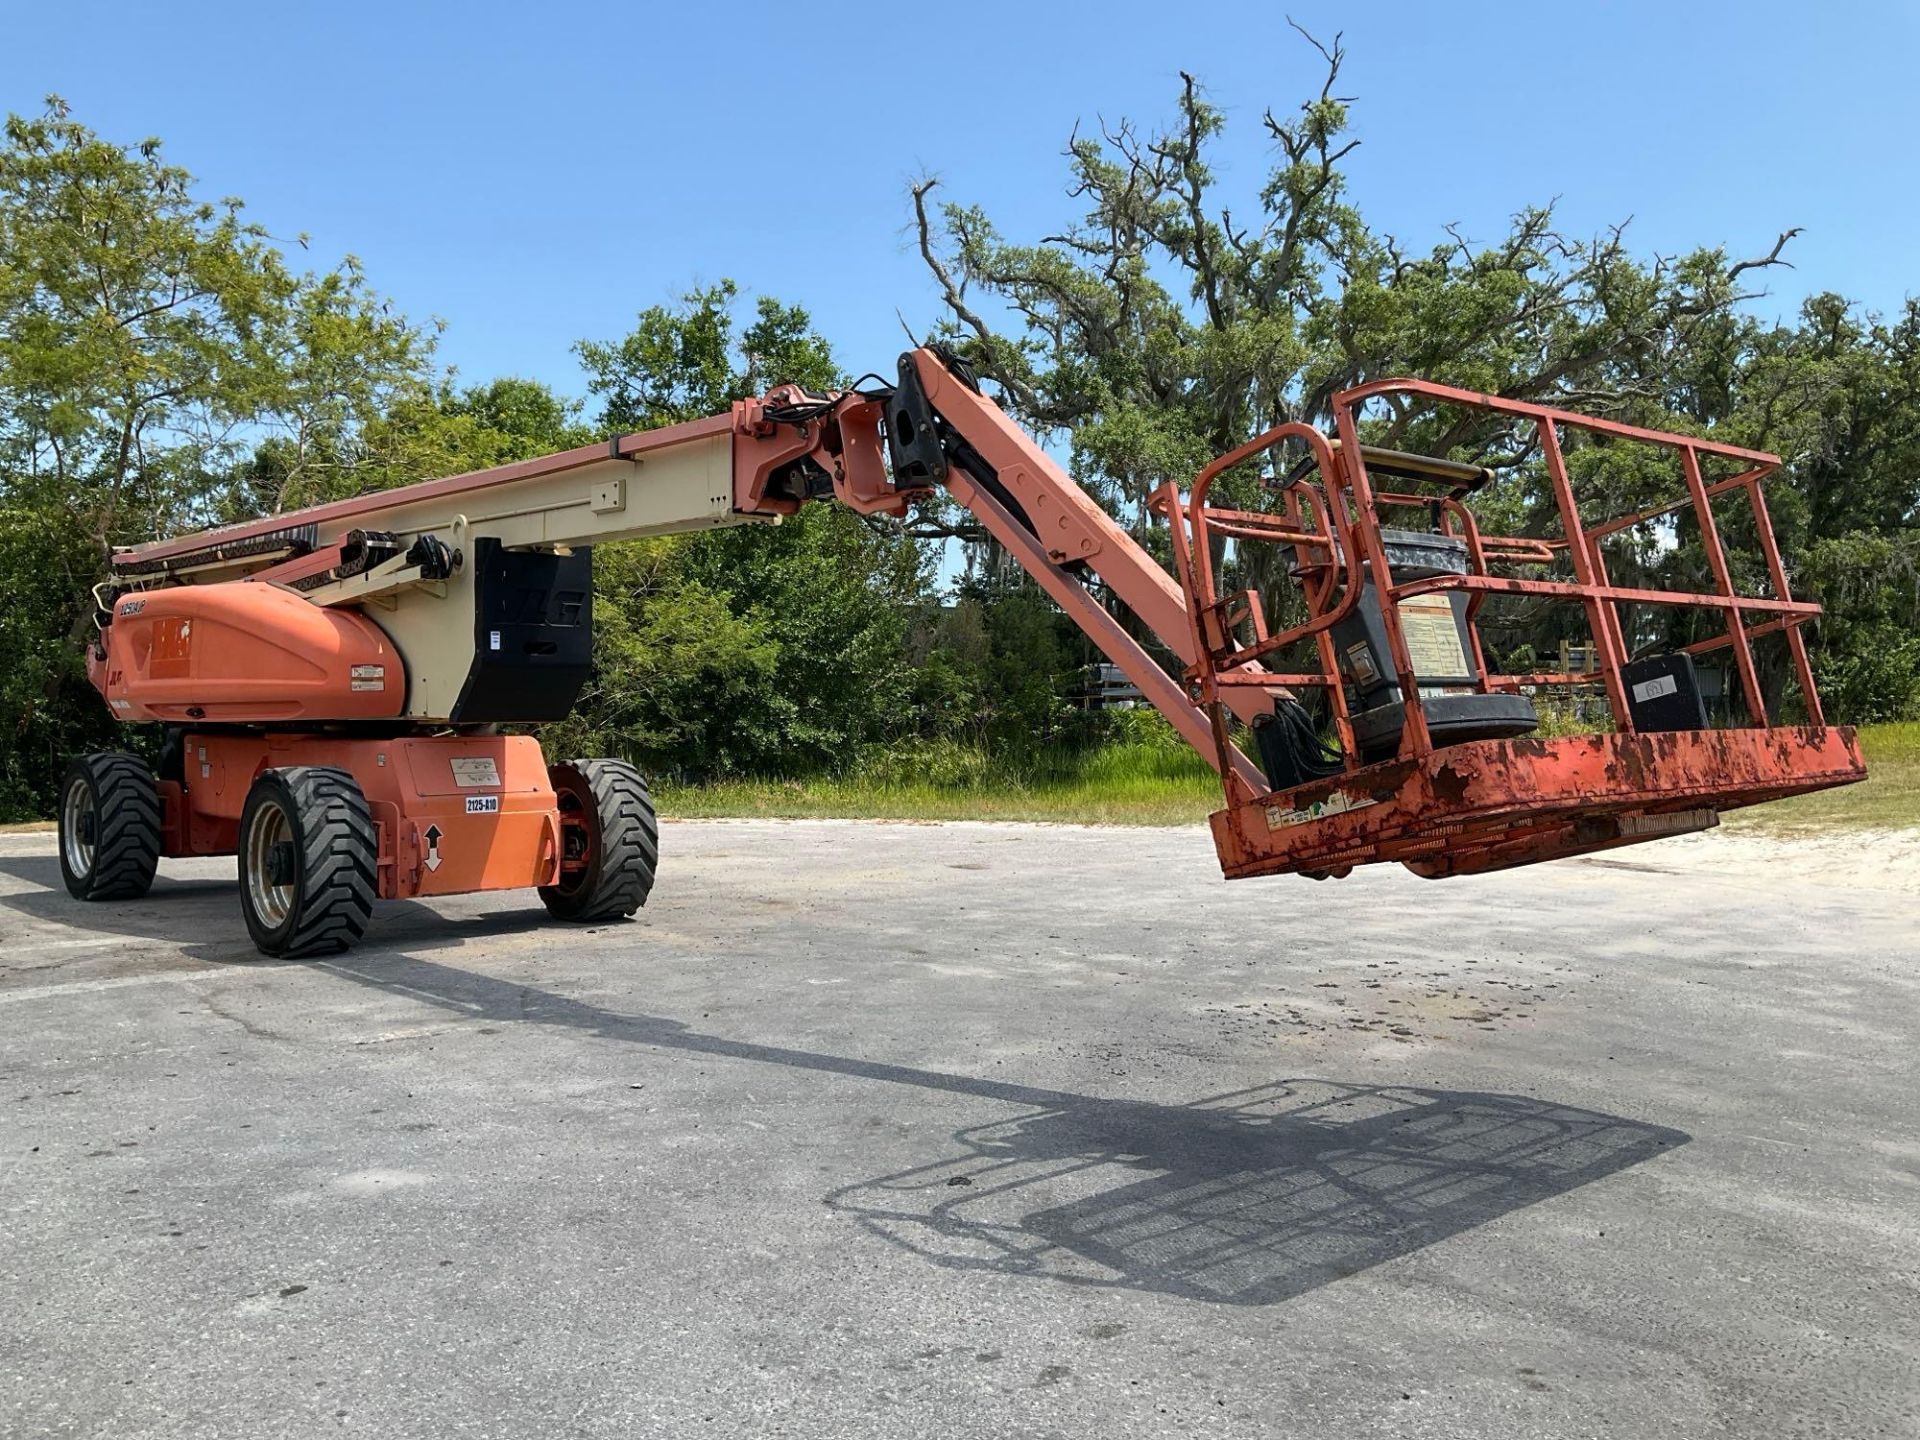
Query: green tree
(685, 361)
(150, 342)
(149, 338)
(1172, 320)
(433, 428)
(761, 648)
(48, 711)
(426, 427)
(1838, 396)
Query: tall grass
(1148, 777)
(1888, 799)
(1140, 779)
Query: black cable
(802, 412)
(1312, 756)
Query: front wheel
(109, 827)
(609, 840)
(308, 853)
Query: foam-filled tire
(610, 840)
(308, 852)
(109, 827)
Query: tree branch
(1772, 257)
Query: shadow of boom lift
(1248, 1198)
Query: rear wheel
(609, 840)
(109, 827)
(307, 861)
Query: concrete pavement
(972, 1130)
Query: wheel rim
(76, 827)
(271, 828)
(576, 843)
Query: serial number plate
(483, 804)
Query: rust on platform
(1487, 804)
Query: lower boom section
(1489, 805)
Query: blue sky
(532, 175)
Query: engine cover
(240, 652)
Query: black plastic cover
(1440, 642)
(532, 634)
(1451, 720)
(1435, 624)
(1663, 692)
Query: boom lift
(333, 681)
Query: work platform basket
(1432, 755)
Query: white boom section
(678, 479)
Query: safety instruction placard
(1433, 639)
(475, 771)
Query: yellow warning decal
(1433, 638)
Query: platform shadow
(1249, 1198)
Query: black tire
(610, 840)
(109, 827)
(307, 861)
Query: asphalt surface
(973, 1131)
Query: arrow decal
(433, 847)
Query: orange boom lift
(333, 681)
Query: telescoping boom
(332, 681)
